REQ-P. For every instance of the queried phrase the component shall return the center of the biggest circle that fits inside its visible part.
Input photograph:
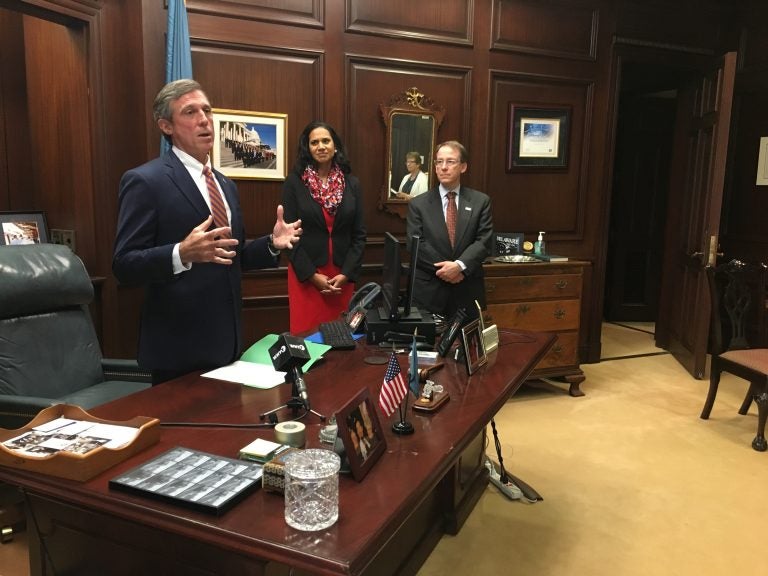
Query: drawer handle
(490, 287)
(557, 349)
(561, 284)
(523, 309)
(559, 313)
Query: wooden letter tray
(80, 467)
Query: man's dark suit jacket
(474, 231)
(190, 321)
(311, 251)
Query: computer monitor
(390, 281)
(410, 312)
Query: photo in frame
(23, 228)
(361, 433)
(250, 145)
(538, 138)
(762, 163)
(474, 347)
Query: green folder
(258, 353)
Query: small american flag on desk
(394, 388)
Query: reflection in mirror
(412, 121)
(411, 154)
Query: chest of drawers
(543, 297)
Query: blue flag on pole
(413, 374)
(178, 54)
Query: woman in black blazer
(326, 261)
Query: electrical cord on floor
(509, 485)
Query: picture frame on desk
(538, 138)
(23, 228)
(360, 431)
(250, 145)
(474, 346)
(762, 163)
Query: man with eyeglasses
(456, 227)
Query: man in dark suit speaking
(455, 226)
(180, 234)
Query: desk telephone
(362, 299)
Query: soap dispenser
(538, 248)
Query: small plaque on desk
(432, 398)
(197, 480)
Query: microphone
(289, 354)
(301, 386)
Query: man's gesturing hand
(203, 245)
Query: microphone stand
(403, 427)
(295, 403)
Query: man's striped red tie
(450, 217)
(218, 209)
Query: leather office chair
(736, 289)
(49, 352)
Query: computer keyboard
(337, 335)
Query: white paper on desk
(248, 373)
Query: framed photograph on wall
(23, 228)
(762, 163)
(538, 138)
(361, 433)
(474, 348)
(250, 145)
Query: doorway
(642, 159)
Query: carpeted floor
(634, 482)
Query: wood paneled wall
(338, 60)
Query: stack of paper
(261, 450)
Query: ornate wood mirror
(412, 120)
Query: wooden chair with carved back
(736, 292)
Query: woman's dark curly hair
(304, 158)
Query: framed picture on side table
(23, 228)
(474, 348)
(361, 433)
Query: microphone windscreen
(288, 352)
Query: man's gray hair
(161, 108)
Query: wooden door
(693, 217)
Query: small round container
(312, 489)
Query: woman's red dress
(309, 307)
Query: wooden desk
(423, 486)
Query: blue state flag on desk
(413, 374)
(178, 54)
